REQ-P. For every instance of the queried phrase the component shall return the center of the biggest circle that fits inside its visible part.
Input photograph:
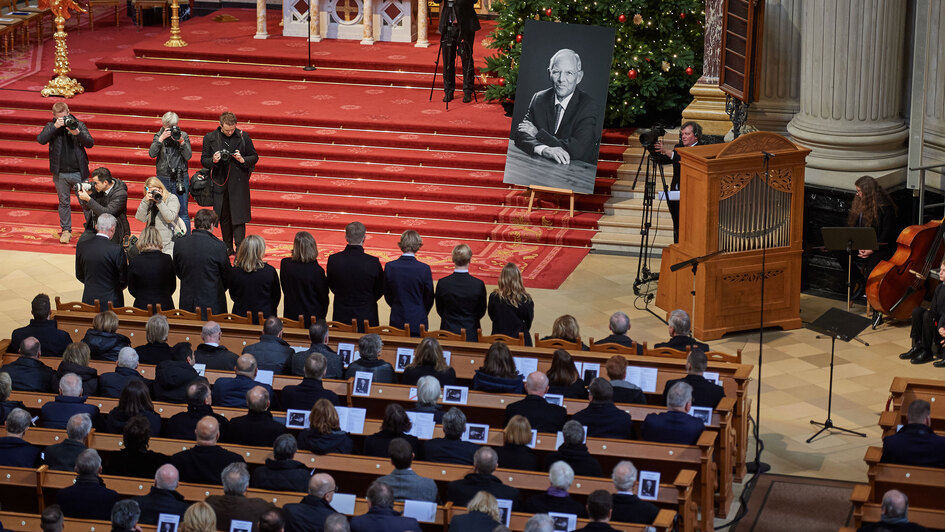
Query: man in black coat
(172, 377)
(234, 505)
(211, 353)
(68, 161)
(574, 452)
(229, 154)
(88, 498)
(231, 391)
(109, 195)
(100, 265)
(27, 372)
(450, 449)
(181, 426)
(62, 456)
(601, 417)
(304, 395)
(458, 26)
(619, 325)
(600, 506)
(704, 392)
(204, 462)
(70, 401)
(675, 425)
(485, 462)
(272, 353)
(679, 333)
(461, 298)
(256, 428)
(543, 416)
(927, 327)
(318, 334)
(356, 279)
(203, 267)
(915, 444)
(689, 135)
(310, 513)
(15, 451)
(163, 497)
(627, 507)
(111, 384)
(895, 516)
(43, 328)
(408, 286)
(282, 472)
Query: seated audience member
(27, 373)
(601, 417)
(403, 481)
(282, 472)
(556, 499)
(624, 390)
(103, 340)
(510, 307)
(563, 377)
(62, 456)
(271, 352)
(895, 515)
(540, 523)
(450, 449)
(627, 507)
(181, 425)
(126, 369)
(704, 392)
(256, 428)
(43, 328)
(151, 279)
(428, 360)
(599, 511)
(134, 401)
(408, 286)
(381, 516)
(75, 359)
(302, 396)
(574, 452)
(125, 515)
(680, 336)
(303, 281)
(542, 415)
(14, 450)
(318, 334)
(337, 523)
(675, 425)
(514, 453)
(485, 462)
(272, 520)
(566, 328)
(234, 505)
(324, 434)
(498, 373)
(52, 519)
(369, 346)
(310, 513)
(204, 462)
(87, 498)
(461, 298)
(135, 459)
(70, 401)
(6, 404)
(396, 424)
(482, 514)
(619, 325)
(231, 391)
(199, 517)
(211, 352)
(163, 497)
(156, 350)
(915, 443)
(254, 284)
(171, 377)
(428, 393)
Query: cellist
(928, 329)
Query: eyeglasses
(565, 73)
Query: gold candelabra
(62, 84)
(175, 41)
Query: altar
(386, 20)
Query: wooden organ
(728, 206)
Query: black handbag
(201, 189)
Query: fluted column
(367, 20)
(708, 104)
(851, 91)
(934, 108)
(780, 84)
(261, 31)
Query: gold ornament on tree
(175, 41)
(638, 19)
(665, 66)
(62, 84)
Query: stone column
(423, 18)
(708, 104)
(933, 133)
(315, 25)
(367, 19)
(780, 83)
(851, 91)
(261, 31)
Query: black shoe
(911, 353)
(467, 97)
(923, 357)
(448, 97)
(940, 363)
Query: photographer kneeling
(171, 148)
(159, 208)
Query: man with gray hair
(556, 498)
(125, 515)
(895, 515)
(171, 149)
(70, 401)
(337, 523)
(369, 347)
(62, 456)
(704, 392)
(14, 450)
(211, 352)
(100, 265)
(428, 392)
(163, 497)
(88, 498)
(543, 416)
(126, 368)
(204, 462)
(311, 512)
(679, 333)
(282, 472)
(540, 523)
(628, 508)
(234, 505)
(675, 425)
(256, 428)
(450, 449)
(574, 452)
(619, 325)
(356, 279)
(485, 462)
(381, 516)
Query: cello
(898, 285)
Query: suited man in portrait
(461, 298)
(561, 122)
(356, 279)
(100, 265)
(408, 285)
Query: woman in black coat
(75, 359)
(511, 309)
(104, 343)
(133, 401)
(515, 453)
(563, 377)
(428, 360)
(135, 459)
(303, 281)
(482, 515)
(396, 424)
(151, 278)
(254, 285)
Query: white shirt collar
(563, 102)
(461, 270)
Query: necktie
(558, 112)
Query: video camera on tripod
(650, 137)
(654, 165)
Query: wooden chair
(78, 306)
(557, 343)
(28, 18)
(442, 334)
(117, 4)
(295, 324)
(667, 352)
(232, 318)
(614, 348)
(718, 356)
(343, 327)
(43, 13)
(493, 338)
(130, 311)
(141, 5)
(180, 314)
(386, 330)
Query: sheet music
(645, 378)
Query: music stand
(843, 325)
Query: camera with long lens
(225, 155)
(84, 186)
(70, 122)
(179, 174)
(175, 133)
(651, 136)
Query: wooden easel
(538, 188)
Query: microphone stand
(308, 22)
(694, 262)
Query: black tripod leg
(436, 68)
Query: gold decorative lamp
(175, 41)
(62, 84)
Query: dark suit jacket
(461, 491)
(203, 463)
(17, 452)
(620, 339)
(383, 520)
(325, 442)
(304, 395)
(682, 342)
(334, 369)
(30, 375)
(160, 501)
(231, 391)
(105, 345)
(282, 475)
(215, 357)
(915, 444)
(357, 280)
(255, 428)
(630, 509)
(382, 370)
(271, 353)
(408, 289)
(61, 456)
(376, 444)
(461, 303)
(237, 508)
(626, 394)
(307, 515)
(111, 384)
(578, 457)
(577, 133)
(543, 416)
(517, 457)
(704, 392)
(55, 414)
(232, 174)
(151, 279)
(465, 15)
(115, 421)
(412, 376)
(100, 266)
(135, 463)
(88, 498)
(509, 320)
(181, 426)
(597, 527)
(171, 379)
(154, 353)
(671, 427)
(449, 451)
(8, 406)
(543, 503)
(605, 420)
(201, 263)
(52, 340)
(473, 522)
(306, 290)
(88, 375)
(255, 292)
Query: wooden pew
(18, 521)
(904, 390)
(866, 510)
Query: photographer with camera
(458, 26)
(104, 195)
(171, 148)
(689, 135)
(68, 139)
(231, 158)
(159, 209)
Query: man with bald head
(543, 416)
(310, 513)
(204, 462)
(895, 515)
(69, 402)
(483, 478)
(256, 428)
(27, 372)
(231, 391)
(211, 351)
(163, 497)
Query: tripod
(644, 274)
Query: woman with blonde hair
(104, 343)
(429, 360)
(303, 281)
(75, 359)
(482, 514)
(151, 278)
(566, 328)
(511, 309)
(254, 284)
(514, 453)
(160, 208)
(324, 434)
(199, 517)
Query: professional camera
(70, 122)
(156, 194)
(86, 186)
(649, 137)
(179, 175)
(175, 133)
(225, 155)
